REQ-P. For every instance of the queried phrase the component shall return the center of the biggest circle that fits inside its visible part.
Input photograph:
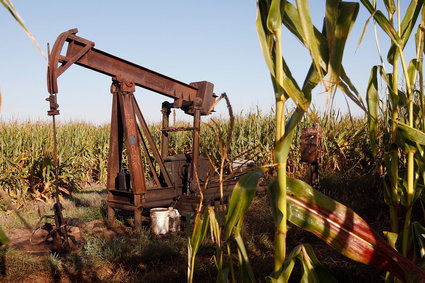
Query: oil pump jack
(175, 178)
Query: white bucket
(160, 218)
(174, 220)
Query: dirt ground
(36, 246)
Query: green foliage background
(26, 150)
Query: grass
(120, 258)
(55, 263)
(87, 205)
(142, 257)
(16, 265)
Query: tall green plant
(326, 51)
(405, 104)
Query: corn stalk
(405, 103)
(326, 50)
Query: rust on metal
(311, 142)
(81, 51)
(166, 111)
(134, 180)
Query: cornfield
(27, 157)
(387, 142)
(26, 150)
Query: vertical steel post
(124, 114)
(113, 156)
(131, 137)
(115, 151)
(195, 149)
(165, 124)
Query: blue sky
(188, 40)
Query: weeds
(16, 265)
(139, 253)
(54, 263)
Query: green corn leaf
(291, 20)
(419, 239)
(390, 5)
(386, 77)
(421, 153)
(281, 150)
(287, 268)
(346, 16)
(292, 122)
(412, 71)
(274, 26)
(292, 89)
(350, 90)
(383, 22)
(406, 27)
(366, 25)
(402, 98)
(308, 33)
(240, 200)
(7, 4)
(372, 98)
(313, 271)
(331, 17)
(245, 269)
(391, 238)
(265, 36)
(344, 230)
(419, 187)
(288, 86)
(311, 81)
(346, 89)
(200, 228)
(274, 18)
(410, 134)
(222, 268)
(222, 275)
(275, 195)
(419, 39)
(406, 146)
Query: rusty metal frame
(311, 144)
(129, 130)
(81, 52)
